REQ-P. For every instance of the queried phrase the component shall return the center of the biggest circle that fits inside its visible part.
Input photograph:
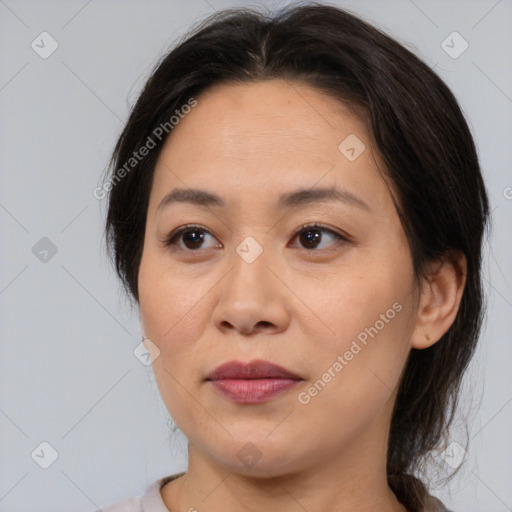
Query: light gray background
(68, 373)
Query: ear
(440, 296)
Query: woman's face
(335, 304)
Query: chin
(261, 459)
(262, 469)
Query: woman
(297, 208)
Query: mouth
(253, 382)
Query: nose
(252, 299)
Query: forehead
(271, 134)
(275, 112)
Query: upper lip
(256, 369)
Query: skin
(298, 305)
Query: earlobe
(440, 298)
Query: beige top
(151, 500)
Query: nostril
(247, 329)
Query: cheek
(172, 316)
(361, 338)
(171, 304)
(171, 310)
(356, 303)
(356, 373)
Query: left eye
(190, 238)
(312, 236)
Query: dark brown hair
(421, 136)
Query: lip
(254, 382)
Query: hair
(421, 136)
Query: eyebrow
(300, 197)
(306, 196)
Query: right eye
(189, 238)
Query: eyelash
(170, 241)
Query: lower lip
(252, 391)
